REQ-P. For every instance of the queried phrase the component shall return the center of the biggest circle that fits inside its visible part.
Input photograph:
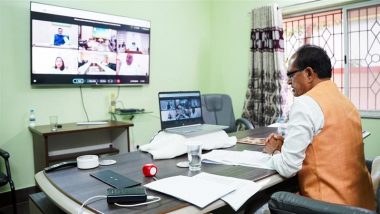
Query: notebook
(181, 113)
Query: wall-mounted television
(76, 47)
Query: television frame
(107, 61)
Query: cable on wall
(84, 107)
(117, 93)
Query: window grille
(326, 29)
(363, 29)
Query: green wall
(194, 45)
(180, 38)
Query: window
(358, 42)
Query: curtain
(265, 97)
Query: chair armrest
(368, 163)
(286, 202)
(4, 154)
(246, 123)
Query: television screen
(76, 47)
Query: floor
(22, 208)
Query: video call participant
(133, 47)
(107, 63)
(129, 59)
(81, 60)
(129, 66)
(180, 113)
(60, 39)
(324, 141)
(59, 64)
(194, 113)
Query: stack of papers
(242, 158)
(205, 188)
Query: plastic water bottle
(32, 118)
(282, 126)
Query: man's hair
(315, 57)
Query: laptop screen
(180, 108)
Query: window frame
(345, 9)
(346, 77)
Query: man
(60, 39)
(324, 141)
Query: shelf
(72, 140)
(131, 113)
(45, 130)
(55, 158)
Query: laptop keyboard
(188, 128)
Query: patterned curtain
(265, 97)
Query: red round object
(149, 170)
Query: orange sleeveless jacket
(334, 169)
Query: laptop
(181, 113)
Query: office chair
(4, 179)
(286, 202)
(217, 109)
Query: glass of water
(194, 154)
(53, 123)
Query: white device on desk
(87, 161)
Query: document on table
(198, 191)
(245, 188)
(365, 134)
(242, 158)
(205, 188)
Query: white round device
(87, 161)
(183, 164)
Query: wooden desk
(74, 140)
(71, 187)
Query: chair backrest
(217, 109)
(7, 178)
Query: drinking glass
(53, 123)
(194, 153)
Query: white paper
(242, 158)
(245, 188)
(365, 134)
(221, 157)
(197, 191)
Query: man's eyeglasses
(290, 74)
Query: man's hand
(273, 143)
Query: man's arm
(305, 121)
(66, 40)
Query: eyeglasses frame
(291, 74)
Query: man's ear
(311, 75)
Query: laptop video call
(182, 109)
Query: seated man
(324, 140)
(60, 39)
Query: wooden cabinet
(74, 140)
